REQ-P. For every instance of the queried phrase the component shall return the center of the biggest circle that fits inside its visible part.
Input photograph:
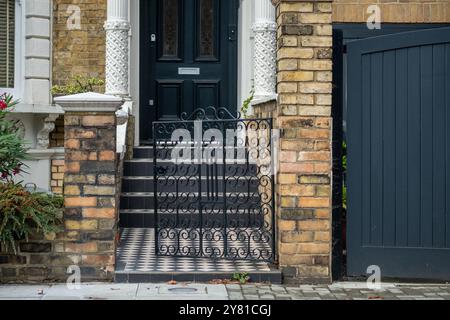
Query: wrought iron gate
(214, 186)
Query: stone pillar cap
(89, 102)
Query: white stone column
(117, 29)
(265, 68)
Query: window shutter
(3, 43)
(7, 34)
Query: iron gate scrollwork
(214, 186)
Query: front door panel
(188, 58)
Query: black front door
(188, 58)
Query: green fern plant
(23, 213)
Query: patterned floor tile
(136, 253)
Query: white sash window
(7, 42)
(10, 46)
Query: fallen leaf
(172, 282)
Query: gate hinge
(344, 48)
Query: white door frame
(245, 54)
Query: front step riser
(148, 186)
(143, 153)
(165, 153)
(142, 220)
(136, 169)
(123, 277)
(147, 202)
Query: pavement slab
(202, 291)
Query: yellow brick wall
(393, 11)
(57, 136)
(78, 52)
(303, 113)
(57, 181)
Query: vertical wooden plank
(438, 214)
(401, 148)
(426, 146)
(366, 149)
(355, 143)
(413, 147)
(389, 183)
(376, 164)
(447, 145)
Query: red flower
(3, 105)
(4, 175)
(16, 171)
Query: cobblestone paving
(339, 291)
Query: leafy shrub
(247, 102)
(23, 213)
(243, 277)
(78, 84)
(12, 147)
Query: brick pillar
(304, 83)
(90, 181)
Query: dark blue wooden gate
(398, 135)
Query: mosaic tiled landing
(136, 253)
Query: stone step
(147, 219)
(168, 161)
(274, 276)
(144, 168)
(137, 200)
(190, 184)
(182, 182)
(143, 152)
(164, 152)
(137, 261)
